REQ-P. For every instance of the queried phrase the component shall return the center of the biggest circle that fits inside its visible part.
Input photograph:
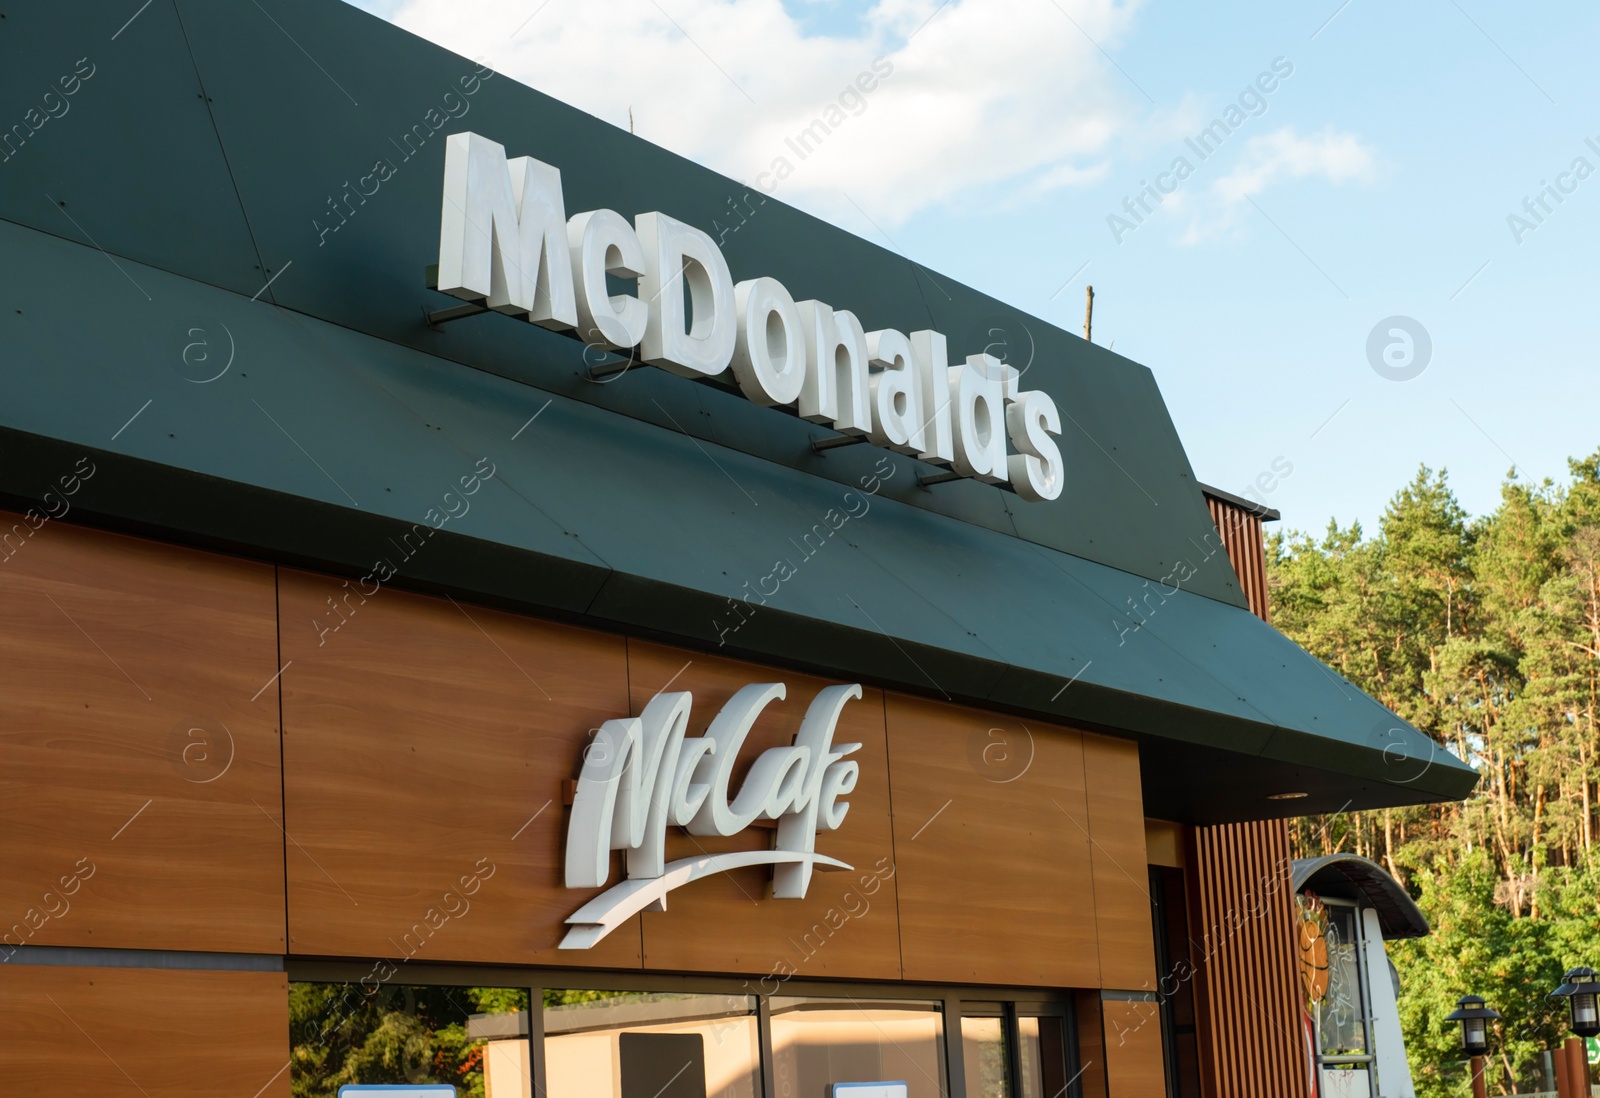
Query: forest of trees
(1484, 633)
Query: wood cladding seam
(1094, 896)
(894, 847)
(283, 789)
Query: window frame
(1358, 942)
(1015, 1001)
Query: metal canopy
(1350, 877)
(648, 503)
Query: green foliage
(1477, 946)
(351, 1033)
(1486, 635)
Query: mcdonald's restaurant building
(493, 608)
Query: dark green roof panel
(649, 503)
(129, 161)
(294, 140)
(638, 526)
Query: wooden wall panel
(1246, 983)
(425, 739)
(1118, 857)
(1163, 843)
(1091, 1045)
(1135, 1067)
(118, 826)
(846, 925)
(994, 864)
(161, 1033)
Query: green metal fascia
(321, 446)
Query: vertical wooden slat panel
(1241, 537)
(1245, 976)
(1249, 1012)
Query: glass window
(1169, 910)
(818, 1042)
(472, 1038)
(636, 1044)
(983, 1051)
(1341, 1021)
(1042, 1049)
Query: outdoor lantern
(1582, 991)
(1474, 1018)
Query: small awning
(1348, 877)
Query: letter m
(503, 233)
(624, 790)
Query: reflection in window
(638, 1044)
(817, 1042)
(1042, 1049)
(472, 1038)
(1341, 1022)
(983, 1050)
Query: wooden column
(1577, 1067)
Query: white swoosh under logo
(607, 911)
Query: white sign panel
(403, 1091)
(505, 241)
(867, 1090)
(1346, 1083)
(642, 775)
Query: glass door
(1014, 1050)
(640, 1044)
(1344, 1030)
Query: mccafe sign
(505, 240)
(642, 775)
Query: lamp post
(1474, 1017)
(1581, 989)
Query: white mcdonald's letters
(642, 775)
(505, 240)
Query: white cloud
(1272, 159)
(980, 93)
(1283, 154)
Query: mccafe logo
(505, 240)
(643, 774)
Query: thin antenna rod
(1088, 313)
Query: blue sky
(1376, 181)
